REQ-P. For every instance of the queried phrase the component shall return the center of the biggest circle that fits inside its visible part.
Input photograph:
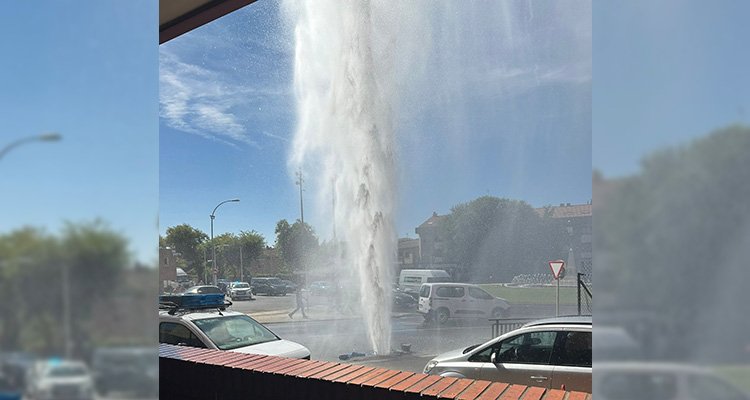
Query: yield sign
(556, 266)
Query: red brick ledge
(187, 372)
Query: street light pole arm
(47, 137)
(213, 245)
(218, 205)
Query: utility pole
(67, 336)
(242, 268)
(299, 182)
(333, 197)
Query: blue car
(7, 391)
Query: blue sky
(501, 106)
(86, 70)
(666, 72)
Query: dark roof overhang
(177, 17)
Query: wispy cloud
(197, 100)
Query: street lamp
(213, 247)
(45, 137)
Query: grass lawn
(737, 374)
(533, 295)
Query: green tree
(496, 239)
(32, 271)
(186, 241)
(669, 232)
(297, 243)
(253, 244)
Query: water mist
(345, 137)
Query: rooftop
(565, 210)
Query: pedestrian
(300, 303)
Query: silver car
(550, 353)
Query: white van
(410, 280)
(441, 301)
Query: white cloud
(200, 101)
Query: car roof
(452, 284)
(567, 319)
(63, 363)
(191, 315)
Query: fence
(501, 326)
(192, 373)
(585, 297)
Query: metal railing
(504, 325)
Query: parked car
(205, 322)
(321, 288)
(269, 286)
(14, 367)
(203, 289)
(61, 379)
(549, 353)
(8, 390)
(402, 300)
(223, 284)
(411, 280)
(663, 381)
(240, 291)
(290, 286)
(133, 370)
(442, 301)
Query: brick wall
(190, 373)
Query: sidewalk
(314, 313)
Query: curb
(286, 319)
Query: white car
(442, 301)
(240, 290)
(212, 326)
(57, 379)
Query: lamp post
(213, 247)
(45, 137)
(299, 182)
(68, 345)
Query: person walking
(300, 303)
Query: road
(328, 334)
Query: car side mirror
(493, 357)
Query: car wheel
(442, 315)
(499, 313)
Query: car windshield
(203, 289)
(67, 371)
(235, 331)
(241, 285)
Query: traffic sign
(557, 266)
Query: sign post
(557, 267)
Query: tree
(31, 277)
(496, 239)
(253, 244)
(297, 243)
(673, 231)
(186, 241)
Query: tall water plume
(346, 90)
